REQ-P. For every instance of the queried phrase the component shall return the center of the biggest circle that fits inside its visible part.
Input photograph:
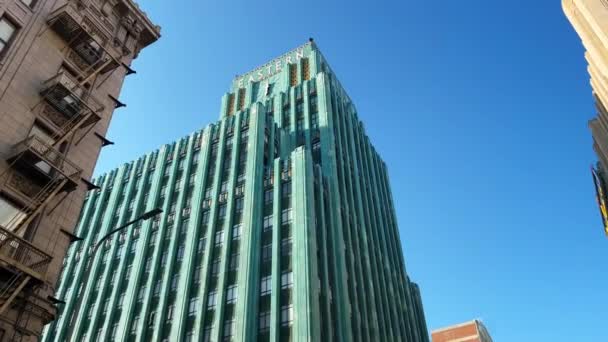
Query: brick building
(62, 66)
(473, 331)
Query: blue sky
(480, 110)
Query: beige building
(590, 20)
(472, 331)
(62, 66)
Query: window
(136, 231)
(237, 230)
(10, 214)
(227, 155)
(201, 244)
(163, 260)
(234, 262)
(286, 280)
(215, 267)
(207, 333)
(174, 282)
(192, 306)
(170, 313)
(229, 326)
(189, 336)
(180, 252)
(222, 212)
(211, 299)
(286, 189)
(141, 294)
(286, 216)
(265, 285)
(7, 32)
(197, 274)
(314, 106)
(113, 332)
(314, 120)
(153, 237)
(121, 300)
(208, 193)
(157, 289)
(205, 218)
(36, 130)
(266, 253)
(224, 186)
(268, 195)
(286, 314)
(90, 313)
(122, 237)
(231, 294)
(219, 238)
(267, 223)
(286, 247)
(264, 321)
(133, 247)
(106, 305)
(151, 318)
(134, 326)
(239, 204)
(155, 224)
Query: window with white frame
(8, 30)
(265, 285)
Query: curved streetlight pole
(143, 217)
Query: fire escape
(38, 170)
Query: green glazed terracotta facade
(278, 225)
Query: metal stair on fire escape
(37, 173)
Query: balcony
(71, 100)
(38, 162)
(85, 34)
(18, 254)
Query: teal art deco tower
(278, 225)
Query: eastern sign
(271, 68)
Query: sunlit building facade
(278, 225)
(590, 20)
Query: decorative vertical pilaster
(305, 273)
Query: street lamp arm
(143, 217)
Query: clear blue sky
(480, 110)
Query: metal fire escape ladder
(73, 103)
(10, 291)
(75, 24)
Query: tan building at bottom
(473, 331)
